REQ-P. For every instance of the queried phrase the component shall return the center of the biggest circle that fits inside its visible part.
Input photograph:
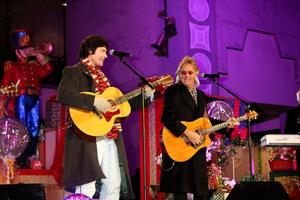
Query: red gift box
(281, 165)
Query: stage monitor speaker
(22, 191)
(264, 190)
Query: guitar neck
(134, 93)
(221, 125)
(128, 96)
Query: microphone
(120, 54)
(211, 76)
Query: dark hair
(90, 44)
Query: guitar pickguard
(109, 115)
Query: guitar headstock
(161, 82)
(11, 90)
(252, 115)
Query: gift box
(281, 165)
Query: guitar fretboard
(221, 125)
(128, 96)
(135, 93)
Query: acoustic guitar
(179, 148)
(94, 123)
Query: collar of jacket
(86, 72)
(84, 69)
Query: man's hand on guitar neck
(192, 137)
(148, 91)
(233, 122)
(102, 105)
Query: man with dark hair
(87, 158)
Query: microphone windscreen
(111, 52)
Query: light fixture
(161, 45)
(162, 42)
(170, 27)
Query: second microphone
(120, 54)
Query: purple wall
(255, 42)
(258, 46)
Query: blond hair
(188, 60)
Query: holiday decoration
(282, 158)
(77, 197)
(13, 140)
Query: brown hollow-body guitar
(180, 150)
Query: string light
(77, 197)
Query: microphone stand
(144, 82)
(248, 108)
